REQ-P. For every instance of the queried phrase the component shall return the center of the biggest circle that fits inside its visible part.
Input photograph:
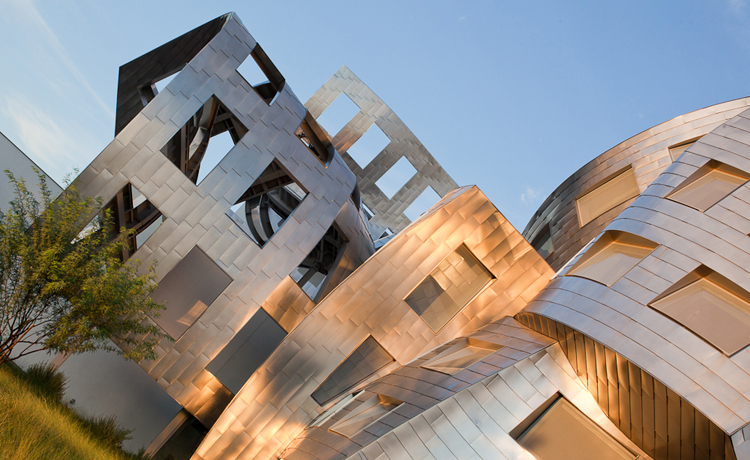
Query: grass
(36, 426)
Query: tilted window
(614, 254)
(712, 307)
(708, 185)
(449, 287)
(367, 413)
(461, 355)
(606, 196)
(563, 432)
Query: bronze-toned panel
(654, 417)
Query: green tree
(67, 290)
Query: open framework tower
(620, 331)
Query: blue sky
(510, 96)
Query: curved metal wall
(648, 155)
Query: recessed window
(605, 196)
(676, 150)
(315, 139)
(267, 203)
(314, 273)
(130, 209)
(563, 432)
(614, 254)
(424, 201)
(187, 290)
(396, 177)
(262, 75)
(195, 149)
(711, 306)
(461, 355)
(708, 185)
(367, 413)
(338, 114)
(367, 147)
(247, 350)
(449, 287)
(543, 243)
(367, 359)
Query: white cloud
(27, 10)
(44, 140)
(530, 195)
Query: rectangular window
(461, 355)
(448, 288)
(606, 196)
(712, 307)
(708, 185)
(614, 254)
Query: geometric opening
(708, 185)
(396, 177)
(710, 305)
(613, 255)
(338, 114)
(461, 355)
(161, 84)
(564, 432)
(606, 195)
(543, 243)
(314, 273)
(130, 209)
(676, 150)
(366, 360)
(267, 203)
(367, 413)
(247, 350)
(367, 147)
(448, 288)
(188, 147)
(262, 75)
(188, 290)
(424, 201)
(315, 139)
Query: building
(312, 318)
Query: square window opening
(202, 142)
(676, 150)
(461, 355)
(396, 177)
(422, 204)
(315, 139)
(543, 243)
(455, 282)
(267, 203)
(338, 114)
(262, 75)
(367, 147)
(365, 414)
(314, 273)
(131, 210)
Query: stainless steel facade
(452, 338)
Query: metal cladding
(455, 339)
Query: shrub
(47, 380)
(107, 429)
